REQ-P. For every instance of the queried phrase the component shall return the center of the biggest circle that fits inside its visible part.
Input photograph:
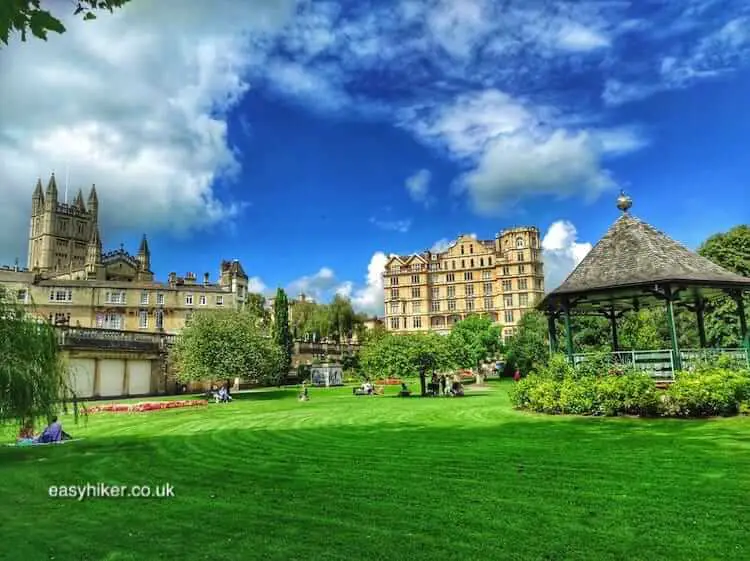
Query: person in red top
(517, 375)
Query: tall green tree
(731, 250)
(474, 340)
(302, 315)
(282, 334)
(24, 16)
(528, 349)
(226, 344)
(34, 380)
(341, 317)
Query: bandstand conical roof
(632, 260)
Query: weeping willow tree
(33, 375)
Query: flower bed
(388, 382)
(143, 406)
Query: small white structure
(326, 375)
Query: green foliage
(376, 332)
(341, 318)
(731, 250)
(397, 356)
(255, 305)
(336, 320)
(23, 16)
(528, 349)
(282, 335)
(473, 340)
(595, 387)
(226, 344)
(33, 374)
(641, 330)
(707, 391)
(556, 368)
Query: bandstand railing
(660, 362)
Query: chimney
(206, 280)
(172, 278)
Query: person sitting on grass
(26, 434)
(53, 433)
(404, 390)
(223, 396)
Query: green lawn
(361, 478)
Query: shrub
(707, 391)
(558, 368)
(578, 396)
(593, 388)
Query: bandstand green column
(613, 325)
(743, 324)
(699, 309)
(676, 359)
(568, 332)
(552, 332)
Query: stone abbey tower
(64, 238)
(60, 233)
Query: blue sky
(310, 140)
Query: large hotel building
(502, 278)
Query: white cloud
(516, 151)
(458, 26)
(317, 285)
(441, 245)
(577, 38)
(467, 124)
(256, 285)
(145, 121)
(561, 252)
(717, 52)
(418, 187)
(401, 226)
(517, 166)
(369, 299)
(324, 284)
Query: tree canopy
(24, 16)
(255, 304)
(34, 381)
(528, 349)
(731, 250)
(396, 355)
(474, 340)
(336, 320)
(226, 344)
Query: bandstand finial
(624, 202)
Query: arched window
(519, 243)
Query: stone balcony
(112, 339)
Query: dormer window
(519, 243)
